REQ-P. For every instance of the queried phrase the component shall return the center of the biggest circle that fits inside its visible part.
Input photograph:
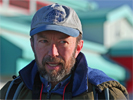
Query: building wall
(116, 31)
(9, 54)
(93, 32)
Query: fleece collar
(81, 74)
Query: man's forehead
(52, 33)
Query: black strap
(95, 93)
(14, 88)
(68, 90)
(103, 95)
(36, 87)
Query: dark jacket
(85, 78)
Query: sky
(113, 3)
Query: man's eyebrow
(41, 36)
(63, 37)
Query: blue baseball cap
(57, 18)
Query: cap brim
(66, 30)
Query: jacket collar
(82, 75)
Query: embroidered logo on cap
(55, 16)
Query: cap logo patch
(55, 16)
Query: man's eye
(44, 41)
(63, 41)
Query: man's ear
(79, 47)
(32, 43)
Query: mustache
(49, 59)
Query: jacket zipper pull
(48, 95)
(48, 92)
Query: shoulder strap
(106, 92)
(36, 87)
(103, 95)
(95, 93)
(14, 88)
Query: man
(60, 70)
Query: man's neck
(53, 84)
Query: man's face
(55, 54)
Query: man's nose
(53, 51)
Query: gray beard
(55, 78)
(64, 71)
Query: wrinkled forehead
(48, 34)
